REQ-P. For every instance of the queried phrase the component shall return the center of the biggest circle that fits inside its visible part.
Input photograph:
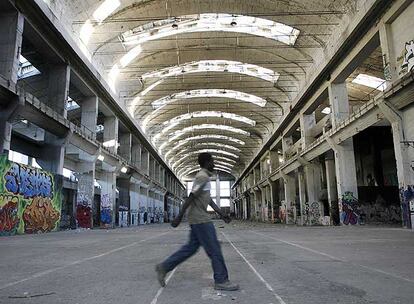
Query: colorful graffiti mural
(106, 210)
(312, 213)
(350, 209)
(30, 199)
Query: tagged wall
(30, 199)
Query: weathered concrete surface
(273, 264)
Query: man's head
(205, 160)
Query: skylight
(211, 22)
(170, 124)
(130, 56)
(215, 66)
(176, 164)
(371, 81)
(207, 93)
(203, 137)
(326, 110)
(105, 9)
(26, 69)
(179, 133)
(211, 144)
(112, 76)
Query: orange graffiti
(40, 216)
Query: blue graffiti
(28, 182)
(106, 216)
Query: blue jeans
(201, 235)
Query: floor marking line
(268, 286)
(336, 259)
(45, 272)
(159, 292)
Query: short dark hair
(204, 158)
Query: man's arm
(218, 210)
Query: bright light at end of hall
(371, 81)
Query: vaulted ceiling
(212, 75)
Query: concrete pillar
(58, 88)
(345, 168)
(290, 193)
(136, 155)
(134, 193)
(7, 114)
(338, 99)
(401, 124)
(313, 180)
(53, 153)
(111, 129)
(272, 189)
(302, 196)
(85, 194)
(331, 187)
(89, 115)
(124, 187)
(218, 190)
(11, 30)
(287, 143)
(388, 54)
(307, 122)
(108, 198)
(125, 147)
(274, 161)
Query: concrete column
(7, 114)
(134, 193)
(58, 88)
(124, 187)
(125, 148)
(108, 198)
(218, 190)
(53, 153)
(89, 115)
(136, 155)
(401, 124)
(345, 168)
(111, 129)
(307, 122)
(11, 30)
(302, 196)
(388, 55)
(85, 194)
(287, 143)
(331, 187)
(272, 186)
(338, 99)
(290, 193)
(313, 180)
(274, 161)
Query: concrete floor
(273, 264)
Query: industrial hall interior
(306, 106)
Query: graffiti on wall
(84, 201)
(407, 58)
(406, 197)
(312, 213)
(350, 209)
(106, 209)
(30, 199)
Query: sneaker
(226, 286)
(161, 273)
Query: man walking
(202, 232)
